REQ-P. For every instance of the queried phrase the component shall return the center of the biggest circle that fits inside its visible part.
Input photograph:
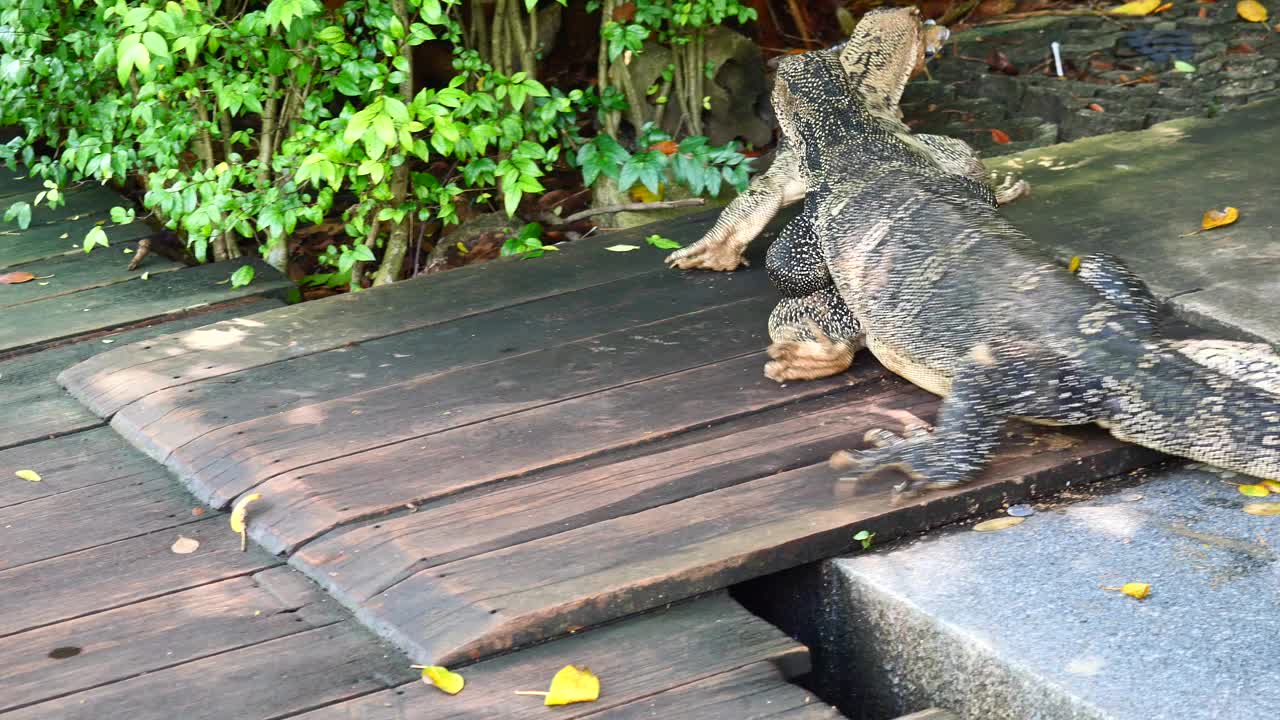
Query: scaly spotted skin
(886, 49)
(952, 297)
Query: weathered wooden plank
(171, 417)
(272, 679)
(38, 408)
(358, 563)
(221, 463)
(299, 506)
(755, 692)
(634, 659)
(522, 594)
(53, 319)
(67, 274)
(161, 633)
(332, 322)
(71, 463)
(105, 512)
(121, 573)
(16, 183)
(51, 240)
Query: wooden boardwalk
(486, 459)
(99, 618)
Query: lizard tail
(1175, 405)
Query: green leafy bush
(240, 122)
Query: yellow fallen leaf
(31, 475)
(1272, 485)
(238, 517)
(1218, 218)
(640, 193)
(184, 545)
(1268, 508)
(1136, 590)
(999, 523)
(573, 685)
(450, 682)
(1074, 265)
(1136, 8)
(1251, 10)
(1253, 490)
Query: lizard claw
(1011, 189)
(708, 254)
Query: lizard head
(888, 46)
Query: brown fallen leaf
(997, 61)
(197, 511)
(1218, 218)
(1241, 49)
(1096, 107)
(666, 147)
(184, 545)
(17, 277)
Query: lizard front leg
(745, 217)
(957, 157)
(814, 336)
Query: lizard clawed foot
(892, 452)
(1011, 189)
(709, 253)
(807, 359)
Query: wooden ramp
(486, 459)
(100, 618)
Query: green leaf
(385, 129)
(363, 253)
(1183, 66)
(662, 243)
(242, 276)
(331, 34)
(95, 237)
(20, 210)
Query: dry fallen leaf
(16, 277)
(197, 511)
(1267, 508)
(1095, 107)
(1218, 218)
(184, 545)
(1253, 490)
(1251, 10)
(1000, 523)
(449, 682)
(1000, 137)
(1272, 485)
(573, 685)
(238, 517)
(30, 475)
(622, 248)
(1136, 8)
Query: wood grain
(610, 569)
(151, 636)
(120, 573)
(271, 679)
(42, 241)
(301, 505)
(36, 407)
(69, 274)
(357, 563)
(634, 659)
(333, 322)
(171, 417)
(754, 692)
(56, 318)
(221, 463)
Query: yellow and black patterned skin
(948, 294)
